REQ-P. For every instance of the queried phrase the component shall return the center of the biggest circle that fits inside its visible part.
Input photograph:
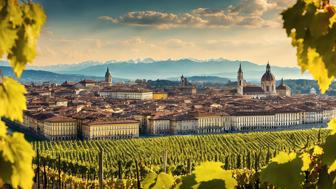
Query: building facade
(120, 129)
(131, 94)
(60, 128)
(159, 126)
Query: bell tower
(240, 81)
(108, 77)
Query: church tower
(240, 81)
(108, 77)
(268, 81)
(184, 81)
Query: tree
(20, 26)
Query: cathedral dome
(268, 76)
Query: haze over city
(121, 30)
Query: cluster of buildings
(267, 87)
(102, 110)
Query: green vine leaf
(24, 50)
(16, 156)
(149, 180)
(313, 33)
(209, 171)
(10, 20)
(12, 99)
(164, 181)
(284, 171)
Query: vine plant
(20, 27)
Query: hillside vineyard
(178, 153)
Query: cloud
(107, 18)
(154, 18)
(282, 4)
(247, 13)
(254, 7)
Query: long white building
(210, 123)
(131, 94)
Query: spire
(240, 69)
(108, 76)
(268, 67)
(282, 82)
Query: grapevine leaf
(318, 69)
(332, 167)
(332, 126)
(149, 180)
(24, 50)
(213, 184)
(325, 180)
(164, 181)
(187, 182)
(3, 129)
(320, 24)
(12, 99)
(10, 19)
(292, 15)
(313, 33)
(317, 151)
(306, 161)
(332, 21)
(208, 171)
(284, 171)
(16, 158)
(316, 3)
(329, 156)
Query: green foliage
(207, 172)
(24, 50)
(20, 26)
(148, 152)
(149, 180)
(160, 181)
(10, 21)
(311, 25)
(164, 181)
(252, 148)
(16, 156)
(12, 99)
(309, 167)
(328, 148)
(284, 171)
(187, 182)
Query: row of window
(106, 133)
(113, 128)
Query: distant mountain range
(39, 76)
(168, 69)
(150, 69)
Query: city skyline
(122, 30)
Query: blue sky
(103, 30)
